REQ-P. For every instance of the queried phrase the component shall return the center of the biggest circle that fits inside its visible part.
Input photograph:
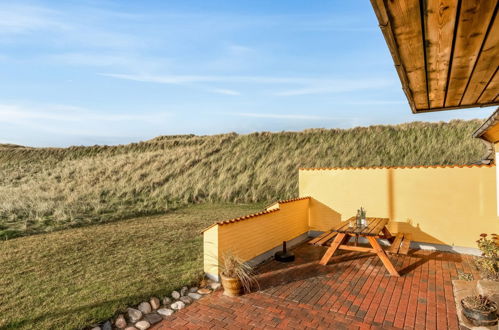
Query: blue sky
(109, 72)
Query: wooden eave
(446, 52)
(489, 130)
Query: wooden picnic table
(375, 229)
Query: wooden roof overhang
(446, 51)
(489, 131)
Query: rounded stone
(184, 291)
(165, 312)
(167, 301)
(153, 318)
(204, 291)
(194, 295)
(154, 302)
(176, 295)
(120, 322)
(215, 286)
(134, 315)
(142, 325)
(193, 289)
(178, 305)
(107, 326)
(131, 328)
(144, 307)
(96, 328)
(186, 300)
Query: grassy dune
(43, 189)
(72, 278)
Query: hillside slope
(43, 189)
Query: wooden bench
(400, 244)
(324, 239)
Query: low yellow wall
(210, 250)
(442, 205)
(321, 216)
(250, 237)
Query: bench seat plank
(323, 238)
(396, 243)
(404, 247)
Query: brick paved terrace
(354, 291)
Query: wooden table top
(373, 227)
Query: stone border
(148, 313)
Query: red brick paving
(353, 292)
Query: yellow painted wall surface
(443, 205)
(210, 250)
(254, 236)
(321, 216)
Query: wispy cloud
(172, 79)
(89, 28)
(338, 86)
(280, 116)
(91, 59)
(240, 50)
(19, 113)
(225, 91)
(182, 79)
(307, 85)
(109, 59)
(17, 19)
(374, 102)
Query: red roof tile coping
(254, 215)
(289, 200)
(245, 217)
(394, 167)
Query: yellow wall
(443, 205)
(321, 216)
(254, 236)
(210, 250)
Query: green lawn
(72, 278)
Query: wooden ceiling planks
(474, 19)
(485, 67)
(385, 25)
(406, 22)
(439, 26)
(490, 94)
(446, 51)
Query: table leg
(340, 238)
(383, 256)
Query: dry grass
(72, 278)
(47, 189)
